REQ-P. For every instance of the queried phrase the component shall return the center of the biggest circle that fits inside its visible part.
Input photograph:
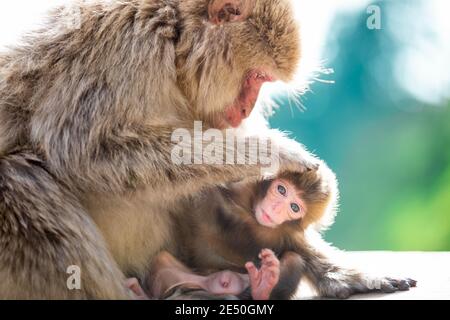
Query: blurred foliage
(391, 152)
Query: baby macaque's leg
(334, 281)
(134, 285)
(292, 268)
(264, 280)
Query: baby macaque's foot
(264, 280)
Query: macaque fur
(86, 115)
(219, 230)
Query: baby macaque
(170, 279)
(225, 227)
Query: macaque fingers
(267, 255)
(272, 262)
(412, 283)
(252, 272)
(398, 284)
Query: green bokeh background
(391, 152)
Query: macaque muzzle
(245, 102)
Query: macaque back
(88, 105)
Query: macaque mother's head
(228, 49)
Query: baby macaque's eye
(295, 207)
(282, 190)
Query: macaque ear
(223, 11)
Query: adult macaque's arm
(144, 156)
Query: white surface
(431, 270)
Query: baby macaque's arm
(264, 280)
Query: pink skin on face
(281, 204)
(244, 104)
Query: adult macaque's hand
(135, 287)
(263, 281)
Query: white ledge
(430, 269)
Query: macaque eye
(295, 207)
(282, 190)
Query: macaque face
(227, 282)
(242, 107)
(282, 203)
(229, 49)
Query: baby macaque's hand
(263, 281)
(135, 287)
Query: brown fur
(217, 230)
(86, 117)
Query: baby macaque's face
(227, 283)
(282, 203)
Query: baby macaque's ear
(223, 11)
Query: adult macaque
(225, 227)
(88, 105)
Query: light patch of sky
(19, 16)
(422, 68)
(316, 19)
(423, 63)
